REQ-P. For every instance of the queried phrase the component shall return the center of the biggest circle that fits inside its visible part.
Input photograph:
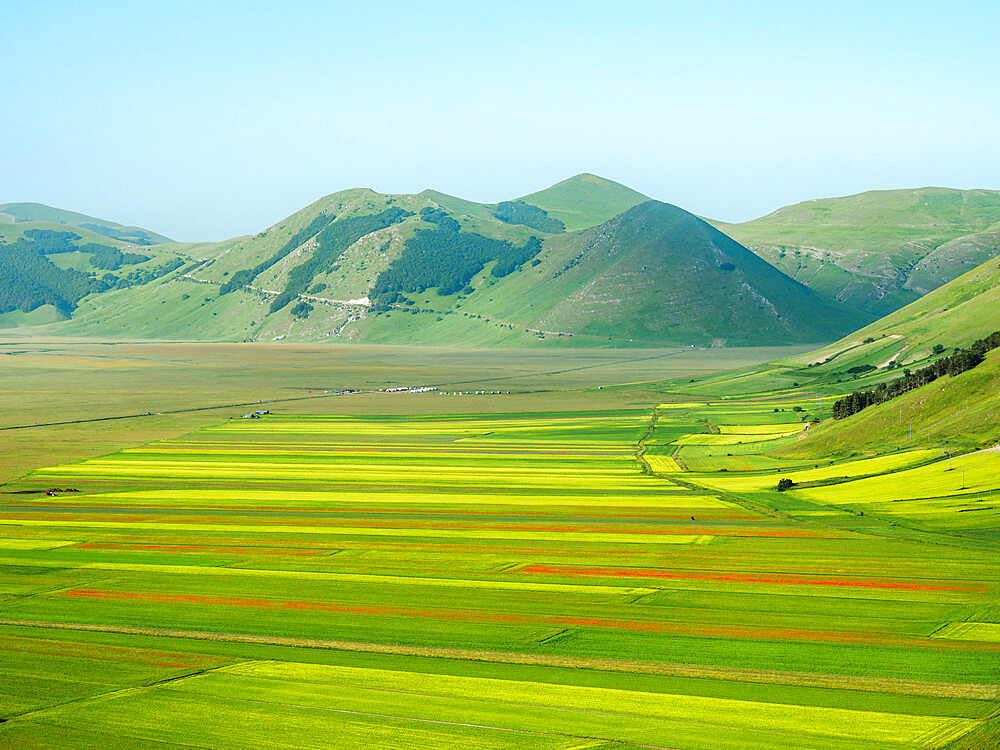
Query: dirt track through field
(843, 682)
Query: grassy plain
(542, 569)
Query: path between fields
(844, 682)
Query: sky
(207, 120)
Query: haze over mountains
(585, 262)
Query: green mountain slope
(11, 213)
(429, 268)
(961, 413)
(953, 315)
(585, 200)
(657, 273)
(47, 269)
(880, 250)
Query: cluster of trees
(440, 258)
(439, 217)
(519, 212)
(243, 277)
(111, 258)
(142, 275)
(955, 364)
(135, 236)
(446, 258)
(301, 310)
(514, 257)
(53, 242)
(29, 280)
(49, 241)
(863, 369)
(331, 242)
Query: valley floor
(590, 561)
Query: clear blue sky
(207, 120)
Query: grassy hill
(427, 268)
(880, 250)
(585, 200)
(11, 213)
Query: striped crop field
(525, 580)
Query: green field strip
(778, 430)
(851, 683)
(727, 439)
(443, 458)
(224, 469)
(862, 467)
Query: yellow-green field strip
(537, 536)
(277, 498)
(988, 632)
(312, 575)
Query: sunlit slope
(878, 250)
(961, 412)
(658, 273)
(25, 212)
(585, 200)
(955, 314)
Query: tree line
(519, 212)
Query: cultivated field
(488, 580)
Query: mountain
(584, 200)
(431, 268)
(877, 251)
(657, 273)
(12, 213)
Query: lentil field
(546, 579)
